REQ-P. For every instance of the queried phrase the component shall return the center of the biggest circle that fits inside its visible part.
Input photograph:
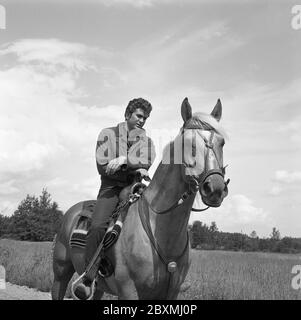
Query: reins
(143, 207)
(171, 263)
(185, 195)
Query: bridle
(195, 183)
(199, 181)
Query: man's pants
(107, 201)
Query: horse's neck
(165, 189)
(166, 186)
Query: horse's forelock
(205, 121)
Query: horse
(151, 257)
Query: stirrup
(75, 284)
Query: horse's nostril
(207, 188)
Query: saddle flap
(88, 209)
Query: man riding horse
(120, 152)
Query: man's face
(136, 120)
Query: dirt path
(15, 292)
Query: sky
(69, 68)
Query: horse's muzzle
(213, 190)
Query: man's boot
(83, 290)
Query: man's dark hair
(138, 103)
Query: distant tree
(45, 200)
(36, 219)
(213, 227)
(213, 235)
(275, 235)
(252, 242)
(209, 238)
(27, 205)
(196, 233)
(4, 221)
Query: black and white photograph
(150, 150)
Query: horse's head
(202, 139)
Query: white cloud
(284, 180)
(57, 182)
(140, 3)
(87, 188)
(134, 3)
(293, 130)
(39, 119)
(286, 177)
(268, 102)
(176, 50)
(8, 188)
(150, 3)
(51, 52)
(44, 131)
(275, 190)
(237, 212)
(243, 211)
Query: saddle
(101, 263)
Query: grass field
(27, 263)
(212, 275)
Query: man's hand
(144, 174)
(115, 165)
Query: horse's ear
(186, 110)
(217, 111)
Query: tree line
(36, 219)
(210, 238)
(39, 219)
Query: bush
(36, 219)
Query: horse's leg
(98, 292)
(62, 276)
(173, 295)
(63, 270)
(127, 291)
